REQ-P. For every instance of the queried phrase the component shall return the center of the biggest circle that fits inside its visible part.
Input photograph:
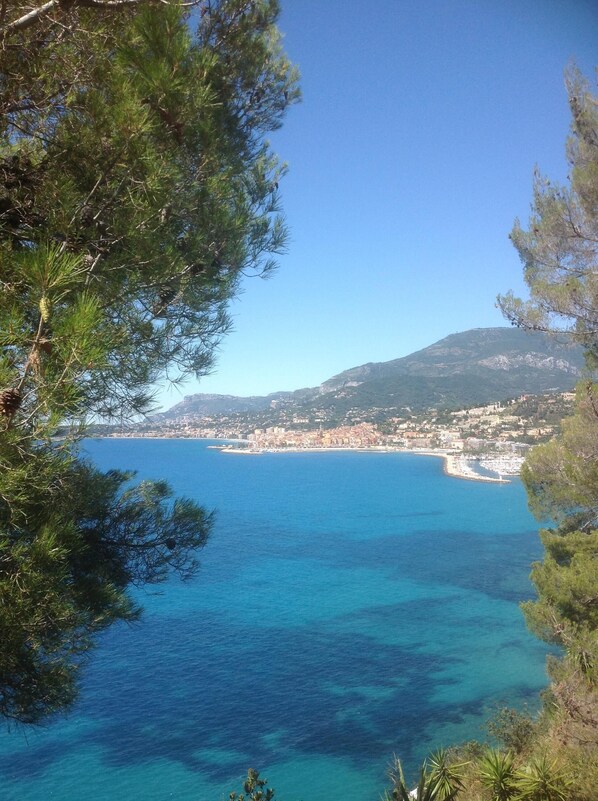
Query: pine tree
(559, 250)
(136, 189)
(560, 257)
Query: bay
(349, 606)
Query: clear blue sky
(410, 155)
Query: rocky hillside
(473, 367)
(502, 349)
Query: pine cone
(87, 215)
(10, 400)
(165, 296)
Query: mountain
(469, 368)
(502, 349)
(466, 369)
(205, 405)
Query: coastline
(456, 465)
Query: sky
(410, 156)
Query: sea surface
(349, 606)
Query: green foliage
(561, 477)
(567, 582)
(542, 780)
(439, 780)
(560, 260)
(68, 556)
(254, 789)
(511, 728)
(136, 189)
(497, 772)
(559, 249)
(490, 774)
(445, 776)
(138, 192)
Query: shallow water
(349, 606)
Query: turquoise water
(349, 606)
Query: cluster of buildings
(366, 435)
(507, 428)
(363, 435)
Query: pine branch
(34, 16)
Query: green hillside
(470, 368)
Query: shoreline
(456, 465)
(459, 468)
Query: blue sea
(349, 606)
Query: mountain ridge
(475, 365)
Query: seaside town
(482, 443)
